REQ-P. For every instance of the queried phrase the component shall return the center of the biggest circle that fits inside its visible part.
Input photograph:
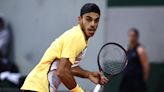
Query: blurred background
(33, 24)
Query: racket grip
(97, 88)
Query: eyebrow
(97, 18)
(88, 16)
(92, 18)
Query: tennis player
(60, 63)
(137, 70)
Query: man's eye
(97, 20)
(89, 19)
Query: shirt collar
(79, 29)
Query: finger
(101, 78)
(104, 80)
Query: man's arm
(65, 75)
(144, 62)
(95, 77)
(79, 72)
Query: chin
(91, 35)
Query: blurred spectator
(136, 72)
(8, 70)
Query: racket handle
(97, 88)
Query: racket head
(112, 59)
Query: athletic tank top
(134, 67)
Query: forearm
(79, 72)
(146, 71)
(65, 75)
(67, 79)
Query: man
(137, 70)
(60, 61)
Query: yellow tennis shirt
(69, 45)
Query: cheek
(96, 25)
(85, 24)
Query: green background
(156, 79)
(117, 3)
(155, 82)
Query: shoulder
(141, 50)
(70, 37)
(72, 34)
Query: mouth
(91, 32)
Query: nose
(92, 23)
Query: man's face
(132, 37)
(89, 23)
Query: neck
(86, 37)
(133, 45)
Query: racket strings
(112, 70)
(112, 59)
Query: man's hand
(95, 77)
(98, 78)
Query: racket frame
(98, 61)
(98, 86)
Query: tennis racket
(112, 60)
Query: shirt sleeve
(71, 48)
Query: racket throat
(98, 88)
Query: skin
(64, 73)
(88, 23)
(133, 41)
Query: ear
(79, 18)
